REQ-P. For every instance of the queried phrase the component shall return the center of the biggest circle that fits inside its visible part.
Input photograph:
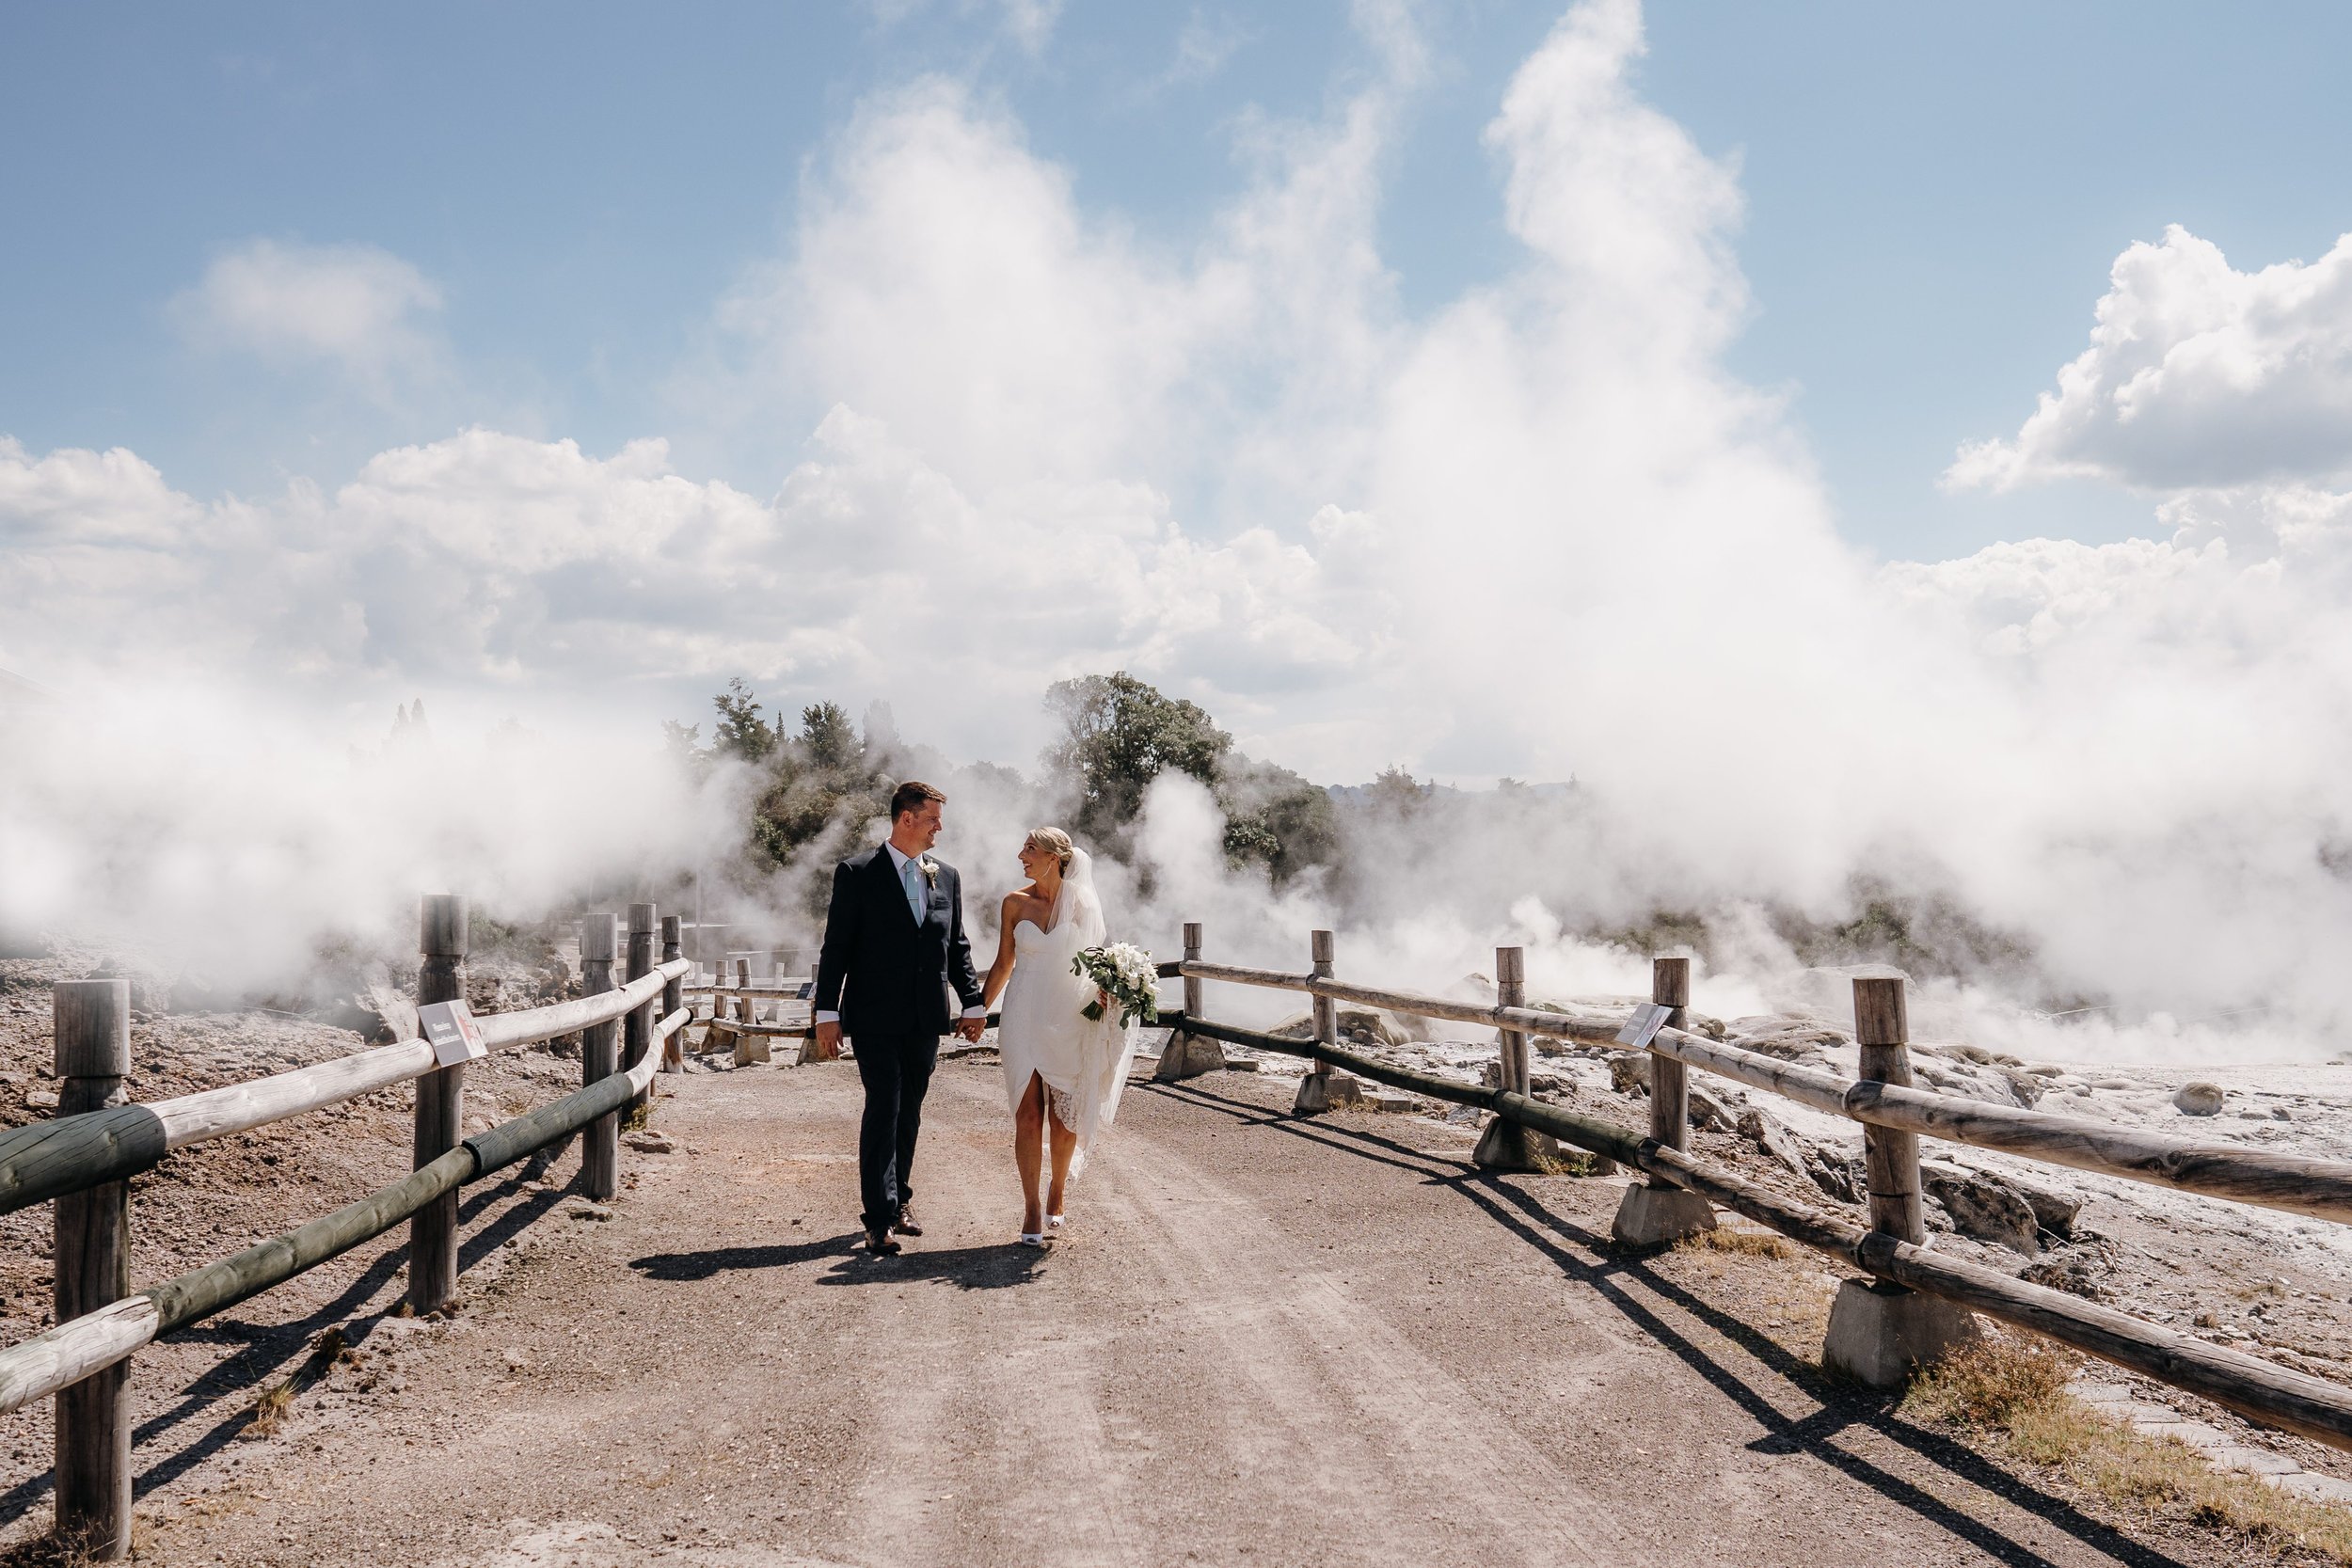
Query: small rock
(1629, 1073)
(1983, 1206)
(1841, 1177)
(1773, 1139)
(584, 1210)
(2199, 1100)
(2024, 1087)
(1707, 1112)
(1788, 1037)
(651, 1143)
(2054, 1212)
(40, 1099)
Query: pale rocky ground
(1269, 1340)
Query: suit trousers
(895, 1070)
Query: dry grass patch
(269, 1412)
(1985, 1384)
(276, 1405)
(2010, 1388)
(1746, 1244)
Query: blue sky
(1933, 197)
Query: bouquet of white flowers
(1127, 976)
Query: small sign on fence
(1644, 1025)
(451, 1027)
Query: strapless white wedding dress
(1043, 1030)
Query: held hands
(972, 1029)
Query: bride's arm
(1001, 971)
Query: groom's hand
(829, 1037)
(971, 1028)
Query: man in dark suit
(893, 943)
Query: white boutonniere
(930, 871)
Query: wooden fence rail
(45, 1160)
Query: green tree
(828, 741)
(1275, 818)
(740, 732)
(1118, 734)
(1396, 793)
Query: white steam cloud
(1540, 532)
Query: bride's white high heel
(1054, 1222)
(1032, 1238)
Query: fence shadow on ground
(1590, 1259)
(267, 1349)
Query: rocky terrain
(2227, 1272)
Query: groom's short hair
(910, 796)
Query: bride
(1063, 1071)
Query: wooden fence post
(1507, 1144)
(1322, 1088)
(1879, 1332)
(673, 996)
(1188, 1056)
(637, 1023)
(440, 1105)
(91, 1259)
(1653, 1212)
(600, 1057)
(749, 1046)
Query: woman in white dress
(1063, 1071)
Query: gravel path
(1264, 1341)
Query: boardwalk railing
(1919, 1305)
(82, 1160)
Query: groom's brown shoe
(880, 1244)
(904, 1224)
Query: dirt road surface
(1263, 1340)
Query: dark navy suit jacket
(882, 971)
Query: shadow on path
(975, 1268)
(1594, 1262)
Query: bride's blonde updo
(1051, 841)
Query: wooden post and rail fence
(1915, 1302)
(82, 1162)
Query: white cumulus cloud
(2198, 375)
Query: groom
(894, 939)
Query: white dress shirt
(898, 858)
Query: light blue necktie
(912, 874)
